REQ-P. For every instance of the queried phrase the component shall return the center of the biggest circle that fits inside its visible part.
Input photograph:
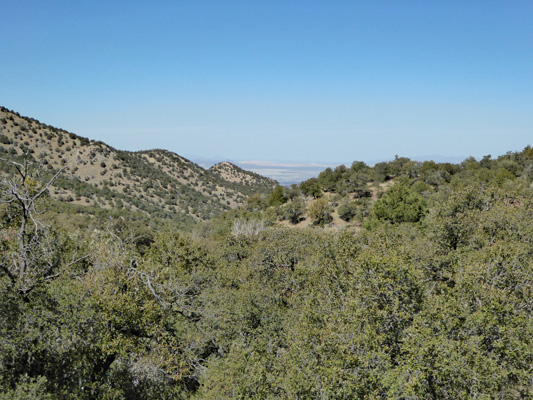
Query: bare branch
(27, 290)
(148, 282)
(45, 188)
(19, 167)
(30, 266)
(70, 264)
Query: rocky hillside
(158, 183)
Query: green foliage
(394, 312)
(5, 140)
(311, 187)
(28, 389)
(400, 204)
(276, 197)
(292, 192)
(435, 309)
(320, 212)
(348, 211)
(256, 202)
(294, 211)
(327, 180)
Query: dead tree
(32, 261)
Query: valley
(141, 275)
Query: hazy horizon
(287, 172)
(300, 81)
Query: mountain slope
(156, 182)
(232, 173)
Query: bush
(5, 140)
(347, 211)
(276, 197)
(400, 204)
(320, 212)
(294, 211)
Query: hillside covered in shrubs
(404, 280)
(98, 179)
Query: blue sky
(320, 81)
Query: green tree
(276, 197)
(327, 180)
(400, 204)
(347, 211)
(320, 212)
(311, 187)
(294, 211)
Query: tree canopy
(427, 294)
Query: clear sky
(330, 81)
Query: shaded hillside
(158, 183)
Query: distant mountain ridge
(156, 182)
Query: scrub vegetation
(405, 280)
